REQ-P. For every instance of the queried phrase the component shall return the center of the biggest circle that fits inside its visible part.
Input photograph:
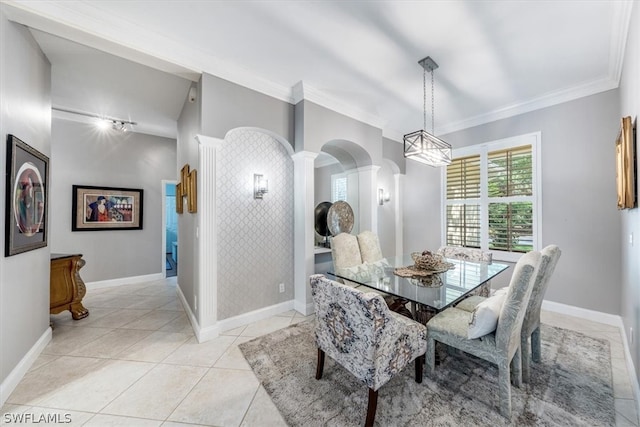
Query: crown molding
(304, 91)
(548, 100)
(621, 21)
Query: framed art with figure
(106, 208)
(26, 198)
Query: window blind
(490, 200)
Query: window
(492, 197)
(338, 187)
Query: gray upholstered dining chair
(471, 254)
(501, 347)
(369, 244)
(371, 254)
(345, 253)
(531, 325)
(359, 332)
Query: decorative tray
(412, 271)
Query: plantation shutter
(510, 197)
(463, 202)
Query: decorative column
(206, 287)
(368, 180)
(398, 180)
(304, 231)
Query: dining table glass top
(437, 291)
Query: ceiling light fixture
(104, 122)
(421, 145)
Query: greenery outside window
(492, 197)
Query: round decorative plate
(340, 218)
(320, 215)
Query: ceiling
(135, 60)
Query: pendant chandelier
(421, 145)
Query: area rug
(571, 386)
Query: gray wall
(82, 155)
(317, 125)
(394, 151)
(188, 128)
(25, 111)
(421, 194)
(227, 106)
(630, 106)
(578, 195)
(255, 237)
(387, 212)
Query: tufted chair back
(359, 332)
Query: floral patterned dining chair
(358, 331)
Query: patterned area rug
(572, 386)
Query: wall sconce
(383, 197)
(260, 186)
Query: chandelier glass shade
(422, 146)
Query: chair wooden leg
(504, 388)
(535, 345)
(419, 362)
(371, 407)
(320, 366)
(526, 358)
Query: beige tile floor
(135, 362)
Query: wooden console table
(67, 288)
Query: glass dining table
(428, 295)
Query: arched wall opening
(254, 236)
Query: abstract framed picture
(106, 208)
(26, 198)
(625, 165)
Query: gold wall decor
(179, 198)
(192, 192)
(184, 179)
(625, 165)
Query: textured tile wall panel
(255, 237)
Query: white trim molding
(607, 319)
(124, 281)
(17, 374)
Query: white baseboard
(583, 313)
(608, 319)
(254, 316)
(207, 333)
(190, 315)
(124, 281)
(303, 308)
(15, 376)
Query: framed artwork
(106, 208)
(625, 166)
(26, 198)
(184, 179)
(192, 192)
(179, 198)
